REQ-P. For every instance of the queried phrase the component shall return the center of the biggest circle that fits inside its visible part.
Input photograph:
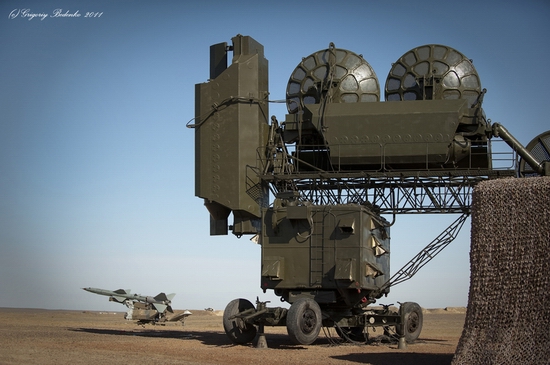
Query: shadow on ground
(274, 340)
(208, 338)
(396, 358)
(282, 342)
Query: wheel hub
(309, 321)
(413, 322)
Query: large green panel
(230, 125)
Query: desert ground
(38, 336)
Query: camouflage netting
(508, 316)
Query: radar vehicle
(320, 190)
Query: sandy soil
(35, 336)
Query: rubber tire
(304, 321)
(236, 329)
(412, 317)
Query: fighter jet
(144, 309)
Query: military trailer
(314, 190)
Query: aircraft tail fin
(166, 299)
(161, 297)
(163, 307)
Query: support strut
(426, 255)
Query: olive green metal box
(318, 248)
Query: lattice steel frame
(391, 193)
(404, 192)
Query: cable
(225, 103)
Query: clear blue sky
(96, 164)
